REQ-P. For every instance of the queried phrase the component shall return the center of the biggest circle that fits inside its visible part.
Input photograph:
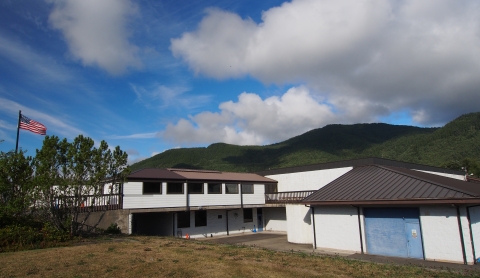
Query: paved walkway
(278, 242)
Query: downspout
(241, 196)
(471, 234)
(461, 235)
(228, 232)
(187, 203)
(359, 228)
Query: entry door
(259, 220)
(414, 240)
(393, 232)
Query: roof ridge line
(425, 180)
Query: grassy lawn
(171, 257)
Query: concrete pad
(279, 242)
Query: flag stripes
(31, 125)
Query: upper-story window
(247, 188)
(195, 188)
(231, 188)
(271, 188)
(214, 188)
(174, 188)
(152, 188)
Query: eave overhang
(464, 201)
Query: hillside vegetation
(455, 141)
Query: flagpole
(18, 129)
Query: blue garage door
(393, 232)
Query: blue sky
(154, 75)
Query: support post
(462, 241)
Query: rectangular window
(183, 219)
(247, 215)
(174, 188)
(231, 188)
(152, 188)
(195, 188)
(214, 188)
(271, 188)
(247, 188)
(200, 218)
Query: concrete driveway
(278, 242)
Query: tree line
(54, 186)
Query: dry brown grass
(170, 257)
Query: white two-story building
(197, 203)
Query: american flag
(33, 126)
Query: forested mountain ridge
(455, 141)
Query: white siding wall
(311, 180)
(275, 219)
(441, 236)
(337, 228)
(299, 228)
(475, 220)
(134, 199)
(453, 176)
(217, 227)
(258, 196)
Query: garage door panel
(387, 233)
(386, 237)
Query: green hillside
(431, 146)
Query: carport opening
(153, 223)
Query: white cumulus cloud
(369, 58)
(252, 120)
(96, 32)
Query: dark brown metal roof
(196, 175)
(375, 184)
(222, 176)
(155, 173)
(357, 162)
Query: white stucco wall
(299, 228)
(475, 222)
(216, 226)
(441, 236)
(311, 180)
(275, 219)
(337, 228)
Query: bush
(113, 229)
(21, 237)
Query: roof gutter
(395, 202)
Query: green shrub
(113, 229)
(20, 237)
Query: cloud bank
(96, 32)
(367, 58)
(253, 121)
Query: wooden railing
(92, 203)
(289, 197)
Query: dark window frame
(247, 212)
(182, 218)
(201, 218)
(248, 185)
(226, 188)
(149, 191)
(212, 183)
(191, 184)
(175, 193)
